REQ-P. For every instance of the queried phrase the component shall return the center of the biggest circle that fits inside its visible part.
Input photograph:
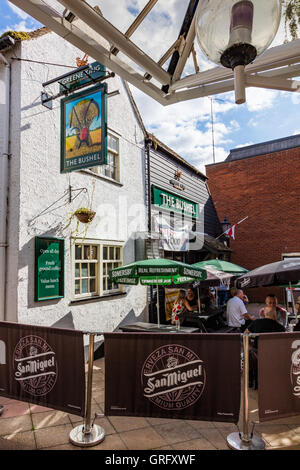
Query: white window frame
(116, 153)
(99, 271)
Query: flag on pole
(231, 231)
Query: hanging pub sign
(173, 203)
(83, 129)
(83, 77)
(49, 268)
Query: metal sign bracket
(47, 99)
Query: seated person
(261, 325)
(178, 307)
(273, 310)
(184, 304)
(191, 303)
(233, 292)
(236, 312)
(268, 324)
(206, 298)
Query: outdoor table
(194, 319)
(153, 328)
(206, 321)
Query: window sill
(98, 298)
(102, 177)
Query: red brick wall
(265, 188)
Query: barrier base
(235, 442)
(81, 439)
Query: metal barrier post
(235, 440)
(88, 435)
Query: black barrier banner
(184, 376)
(43, 365)
(278, 375)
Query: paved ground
(26, 426)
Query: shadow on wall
(65, 322)
(130, 318)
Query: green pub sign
(83, 77)
(173, 203)
(49, 268)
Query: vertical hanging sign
(84, 129)
(49, 268)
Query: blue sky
(186, 127)
(12, 18)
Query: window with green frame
(92, 261)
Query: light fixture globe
(233, 32)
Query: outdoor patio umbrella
(157, 271)
(273, 274)
(222, 265)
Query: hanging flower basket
(84, 215)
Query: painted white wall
(43, 210)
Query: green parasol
(222, 265)
(157, 271)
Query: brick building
(262, 182)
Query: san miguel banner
(278, 375)
(43, 365)
(173, 376)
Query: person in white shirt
(236, 312)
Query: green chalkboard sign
(49, 268)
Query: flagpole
(232, 226)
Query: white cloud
(22, 14)
(259, 99)
(252, 122)
(244, 145)
(22, 26)
(186, 127)
(296, 98)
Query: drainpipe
(148, 147)
(148, 143)
(4, 189)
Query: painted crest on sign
(35, 365)
(173, 377)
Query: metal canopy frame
(96, 36)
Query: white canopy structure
(86, 28)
